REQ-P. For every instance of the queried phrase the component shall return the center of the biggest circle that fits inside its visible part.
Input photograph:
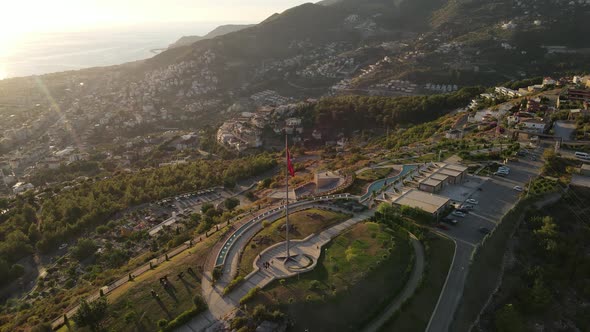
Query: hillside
(219, 31)
(335, 47)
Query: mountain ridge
(219, 31)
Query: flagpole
(287, 196)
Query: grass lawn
(359, 273)
(364, 178)
(304, 222)
(414, 316)
(132, 307)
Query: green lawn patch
(305, 223)
(415, 313)
(358, 274)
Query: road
(496, 198)
(409, 288)
(564, 129)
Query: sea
(48, 52)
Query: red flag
(290, 164)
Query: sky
(22, 16)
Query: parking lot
(495, 197)
(188, 203)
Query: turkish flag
(290, 164)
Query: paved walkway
(409, 288)
(222, 308)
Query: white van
(582, 155)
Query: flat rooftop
(430, 203)
(457, 168)
(439, 177)
(449, 172)
(431, 182)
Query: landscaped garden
(357, 275)
(302, 224)
(543, 185)
(368, 176)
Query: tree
(231, 203)
(45, 327)
(91, 314)
(508, 319)
(539, 295)
(206, 207)
(33, 233)
(102, 229)
(84, 249)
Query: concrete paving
(223, 307)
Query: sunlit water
(42, 53)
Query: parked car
(518, 188)
(500, 173)
(472, 201)
(458, 214)
(462, 210)
(504, 168)
(450, 221)
(484, 230)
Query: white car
(472, 201)
(518, 188)
(458, 214)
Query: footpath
(223, 307)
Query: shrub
(217, 273)
(199, 302)
(130, 316)
(182, 319)
(250, 295)
(162, 323)
(238, 323)
(233, 285)
(314, 285)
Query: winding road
(409, 288)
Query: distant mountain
(219, 31)
(328, 2)
(353, 46)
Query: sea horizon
(50, 52)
